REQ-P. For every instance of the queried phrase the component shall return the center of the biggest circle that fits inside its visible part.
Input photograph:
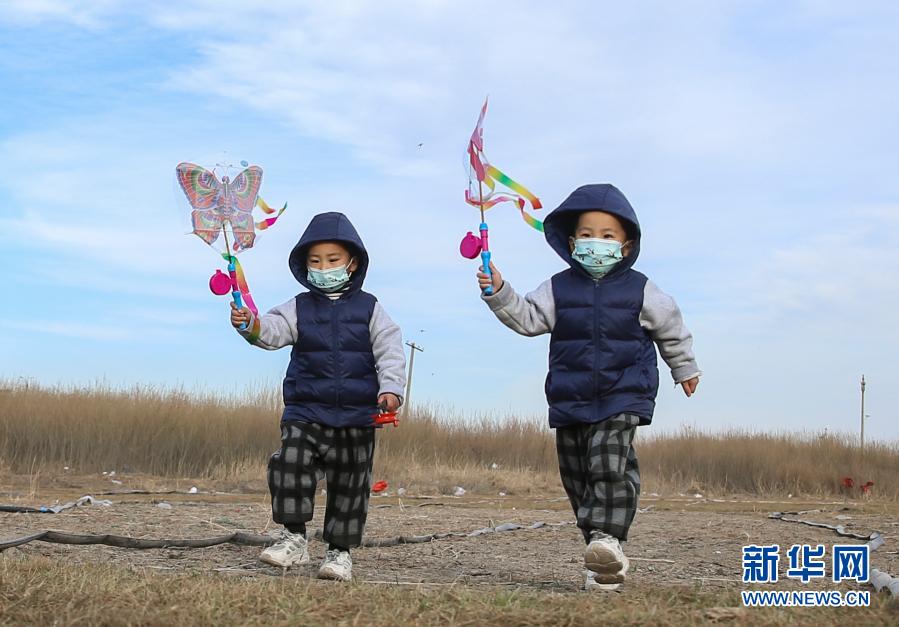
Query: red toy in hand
(386, 418)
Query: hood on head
(329, 227)
(559, 224)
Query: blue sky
(758, 143)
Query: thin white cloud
(106, 333)
(830, 277)
(88, 14)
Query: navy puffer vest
(331, 378)
(601, 361)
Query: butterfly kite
(218, 203)
(482, 174)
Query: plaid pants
(599, 471)
(311, 452)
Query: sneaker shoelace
(291, 544)
(337, 557)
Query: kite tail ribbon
(240, 291)
(495, 174)
(267, 222)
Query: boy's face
(327, 255)
(600, 225)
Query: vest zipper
(595, 349)
(335, 348)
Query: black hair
(630, 229)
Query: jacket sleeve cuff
(685, 373)
(500, 298)
(395, 392)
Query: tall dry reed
(177, 433)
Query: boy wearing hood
(347, 361)
(605, 321)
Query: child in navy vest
(347, 361)
(605, 321)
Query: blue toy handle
(485, 261)
(485, 257)
(235, 293)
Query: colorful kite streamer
(488, 176)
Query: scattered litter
(502, 494)
(105, 473)
(697, 496)
(789, 496)
(324, 492)
(55, 509)
(653, 494)
(494, 466)
(164, 505)
(874, 539)
(379, 486)
(111, 473)
(401, 491)
(193, 490)
(116, 481)
(459, 491)
(843, 517)
(65, 467)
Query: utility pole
(407, 401)
(863, 415)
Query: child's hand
(484, 280)
(388, 402)
(690, 386)
(239, 316)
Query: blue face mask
(597, 256)
(329, 280)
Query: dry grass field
(173, 433)
(705, 496)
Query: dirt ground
(674, 541)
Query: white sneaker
(591, 585)
(337, 565)
(606, 559)
(290, 549)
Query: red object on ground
(386, 418)
(847, 482)
(380, 486)
(867, 487)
